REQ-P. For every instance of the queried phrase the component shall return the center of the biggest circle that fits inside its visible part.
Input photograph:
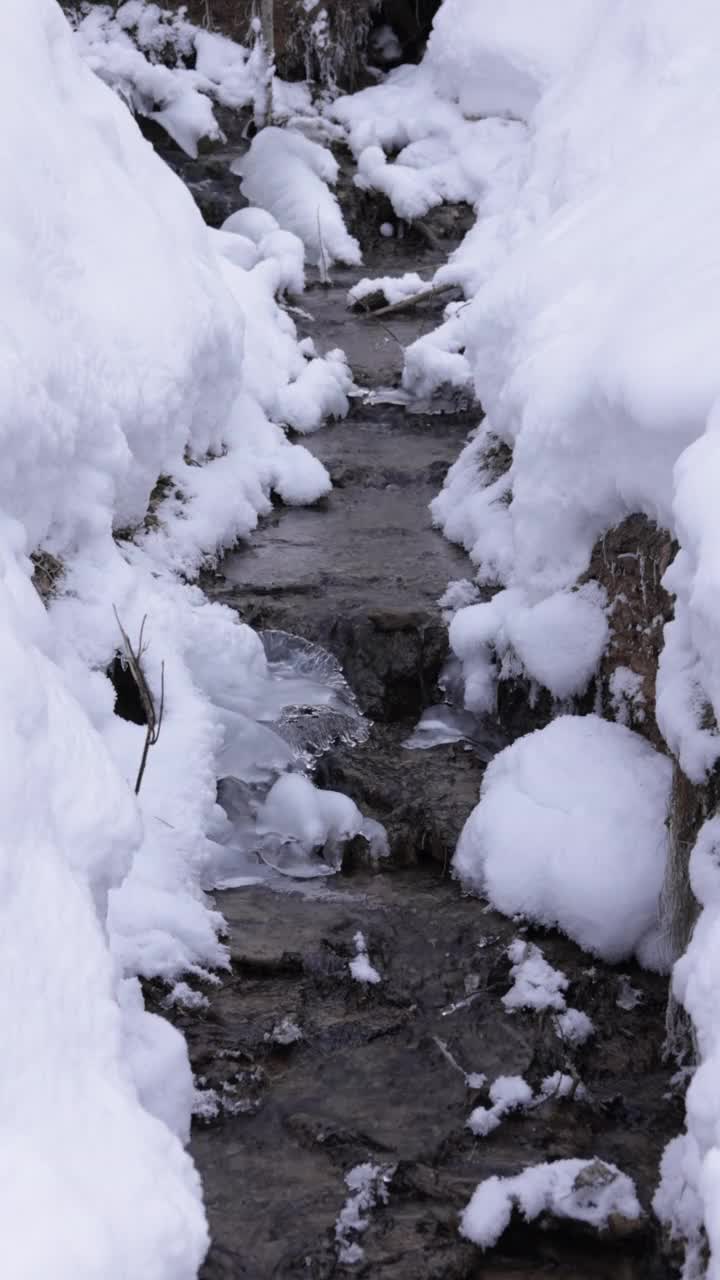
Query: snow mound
(588, 1191)
(290, 176)
(558, 641)
(570, 832)
(497, 60)
(141, 370)
(360, 967)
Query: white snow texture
(570, 832)
(585, 137)
(133, 346)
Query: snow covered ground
(584, 135)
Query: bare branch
(133, 658)
(405, 304)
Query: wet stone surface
(308, 1073)
(361, 572)
(378, 1073)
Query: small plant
(133, 659)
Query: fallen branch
(434, 291)
(133, 658)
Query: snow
(361, 968)
(558, 641)
(137, 347)
(575, 1190)
(567, 815)
(626, 695)
(393, 288)
(536, 985)
(285, 1032)
(591, 277)
(513, 1093)
(574, 1026)
(290, 176)
(368, 1186)
(507, 1093)
(130, 48)
(497, 60)
(317, 819)
(689, 1195)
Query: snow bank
(140, 372)
(169, 70)
(570, 832)
(592, 274)
(441, 119)
(497, 60)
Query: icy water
(309, 1073)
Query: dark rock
(373, 1079)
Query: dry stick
(154, 720)
(404, 304)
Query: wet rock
(361, 573)
(380, 1074)
(422, 798)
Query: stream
(314, 1073)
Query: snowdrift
(133, 349)
(592, 280)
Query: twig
(154, 719)
(405, 304)
(323, 261)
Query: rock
(368, 1081)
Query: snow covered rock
(570, 832)
(590, 1192)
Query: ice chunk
(443, 724)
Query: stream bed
(310, 1073)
